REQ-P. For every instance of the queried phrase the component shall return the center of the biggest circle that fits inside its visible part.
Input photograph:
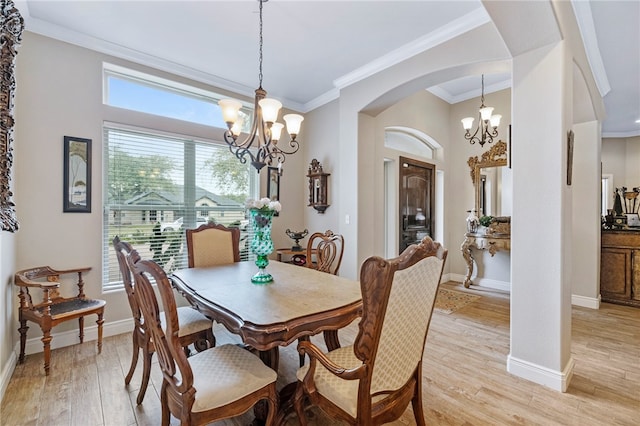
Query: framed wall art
(76, 186)
(569, 156)
(273, 183)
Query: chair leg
(272, 403)
(46, 341)
(298, 399)
(100, 321)
(416, 401)
(81, 329)
(146, 372)
(23, 339)
(164, 402)
(134, 358)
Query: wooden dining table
(299, 302)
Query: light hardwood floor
(465, 377)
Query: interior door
(416, 199)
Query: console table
(491, 242)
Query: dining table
(300, 301)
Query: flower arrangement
(264, 205)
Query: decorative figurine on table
(297, 236)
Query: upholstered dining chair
(195, 328)
(373, 381)
(324, 253)
(54, 307)
(218, 383)
(212, 244)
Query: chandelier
(487, 124)
(261, 144)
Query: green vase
(261, 244)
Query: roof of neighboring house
(166, 197)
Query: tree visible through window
(158, 186)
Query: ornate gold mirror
(485, 175)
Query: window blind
(158, 185)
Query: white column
(541, 227)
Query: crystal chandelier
(261, 144)
(487, 124)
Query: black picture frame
(509, 153)
(569, 156)
(76, 184)
(273, 184)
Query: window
(156, 186)
(133, 90)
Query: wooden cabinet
(620, 267)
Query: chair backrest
(123, 249)
(324, 251)
(166, 341)
(212, 244)
(398, 299)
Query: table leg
(331, 339)
(468, 258)
(270, 358)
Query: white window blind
(158, 185)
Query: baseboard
(68, 338)
(484, 282)
(585, 302)
(556, 380)
(7, 372)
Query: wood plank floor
(465, 377)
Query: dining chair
(195, 328)
(372, 381)
(212, 244)
(218, 383)
(324, 253)
(54, 308)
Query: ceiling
(314, 48)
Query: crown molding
(582, 11)
(475, 93)
(460, 26)
(57, 32)
(630, 134)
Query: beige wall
(60, 93)
(621, 158)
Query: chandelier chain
(260, 57)
(260, 145)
